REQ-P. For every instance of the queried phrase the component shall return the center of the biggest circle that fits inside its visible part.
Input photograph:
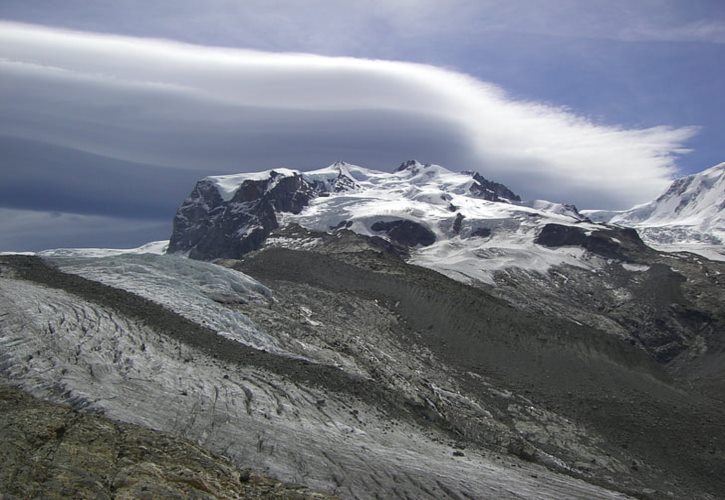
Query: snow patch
(472, 264)
(635, 268)
(440, 200)
(711, 252)
(227, 185)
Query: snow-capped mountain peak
(689, 215)
(410, 165)
(689, 200)
(454, 222)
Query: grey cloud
(40, 176)
(30, 231)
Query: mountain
(444, 220)
(690, 215)
(420, 333)
(463, 226)
(537, 255)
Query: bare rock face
(208, 227)
(52, 451)
(609, 242)
(490, 190)
(406, 232)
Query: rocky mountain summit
(426, 208)
(227, 216)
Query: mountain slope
(384, 378)
(539, 256)
(341, 418)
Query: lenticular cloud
(183, 106)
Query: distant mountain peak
(688, 215)
(410, 165)
(718, 169)
(495, 190)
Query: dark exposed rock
(207, 227)
(523, 450)
(406, 232)
(556, 235)
(574, 211)
(344, 183)
(481, 232)
(407, 165)
(610, 242)
(344, 224)
(490, 190)
(457, 223)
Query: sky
(111, 110)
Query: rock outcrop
(53, 451)
(608, 242)
(206, 226)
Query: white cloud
(188, 106)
